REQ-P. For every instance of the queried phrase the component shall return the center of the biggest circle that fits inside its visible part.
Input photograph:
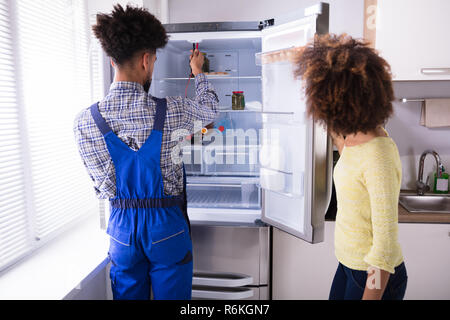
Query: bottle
(441, 184)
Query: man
(126, 142)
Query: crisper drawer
(237, 160)
(223, 192)
(222, 160)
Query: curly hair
(126, 32)
(348, 86)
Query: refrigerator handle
(221, 279)
(329, 171)
(220, 294)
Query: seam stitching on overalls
(119, 241)
(174, 235)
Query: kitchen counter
(423, 217)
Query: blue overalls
(150, 246)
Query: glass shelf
(238, 111)
(214, 78)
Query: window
(14, 236)
(45, 81)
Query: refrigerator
(267, 166)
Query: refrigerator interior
(222, 165)
(236, 57)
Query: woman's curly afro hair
(126, 32)
(348, 86)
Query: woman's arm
(382, 178)
(377, 280)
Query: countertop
(404, 216)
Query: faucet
(423, 187)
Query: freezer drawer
(223, 192)
(228, 249)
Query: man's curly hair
(126, 32)
(348, 86)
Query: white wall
(106, 6)
(156, 7)
(412, 139)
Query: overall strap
(160, 116)
(99, 120)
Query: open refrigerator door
(296, 153)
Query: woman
(349, 89)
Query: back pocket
(170, 244)
(119, 228)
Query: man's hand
(197, 60)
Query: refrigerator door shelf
(282, 182)
(283, 147)
(281, 56)
(285, 89)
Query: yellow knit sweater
(367, 179)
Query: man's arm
(204, 107)
(95, 156)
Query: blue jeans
(349, 284)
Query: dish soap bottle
(441, 184)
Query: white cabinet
(412, 35)
(426, 250)
(303, 271)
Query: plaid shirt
(130, 111)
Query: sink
(427, 203)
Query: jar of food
(238, 100)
